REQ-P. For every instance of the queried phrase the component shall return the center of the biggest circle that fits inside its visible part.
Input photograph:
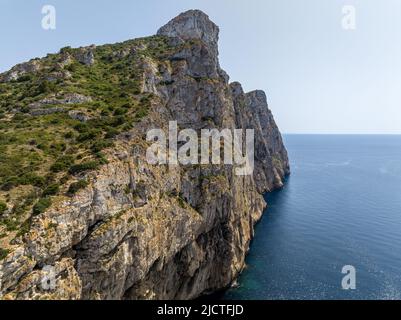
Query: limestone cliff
(135, 230)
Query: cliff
(83, 215)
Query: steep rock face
(140, 231)
(270, 156)
(193, 24)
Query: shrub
(111, 133)
(9, 184)
(104, 113)
(3, 207)
(127, 127)
(145, 100)
(35, 180)
(10, 224)
(51, 190)
(25, 109)
(85, 136)
(18, 117)
(101, 158)
(120, 111)
(81, 127)
(41, 206)
(58, 146)
(46, 87)
(85, 166)
(69, 135)
(118, 120)
(62, 163)
(76, 186)
(24, 78)
(31, 179)
(4, 253)
(66, 49)
(100, 145)
(141, 113)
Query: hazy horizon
(318, 77)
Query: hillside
(77, 194)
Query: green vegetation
(22, 205)
(181, 202)
(85, 166)
(3, 207)
(45, 87)
(76, 186)
(51, 190)
(4, 253)
(40, 154)
(62, 163)
(41, 206)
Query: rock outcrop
(140, 231)
(86, 55)
(193, 24)
(20, 70)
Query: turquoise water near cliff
(340, 206)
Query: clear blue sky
(319, 78)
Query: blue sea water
(340, 206)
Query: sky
(318, 76)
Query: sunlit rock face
(140, 231)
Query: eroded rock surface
(139, 231)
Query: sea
(334, 230)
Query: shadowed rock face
(139, 231)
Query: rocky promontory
(83, 214)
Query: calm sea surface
(341, 206)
